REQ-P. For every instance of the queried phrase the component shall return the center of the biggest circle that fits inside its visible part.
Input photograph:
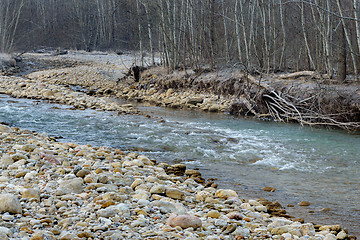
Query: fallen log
(299, 74)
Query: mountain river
(304, 164)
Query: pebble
(31, 194)
(213, 214)
(7, 217)
(304, 203)
(184, 221)
(71, 186)
(107, 212)
(5, 129)
(175, 193)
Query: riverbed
(303, 164)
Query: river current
(316, 165)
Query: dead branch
(285, 107)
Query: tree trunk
(357, 25)
(237, 29)
(348, 38)
(281, 62)
(342, 55)
(151, 45)
(311, 62)
(245, 34)
(227, 54)
(140, 34)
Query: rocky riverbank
(145, 91)
(53, 190)
(309, 100)
(19, 87)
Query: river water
(316, 165)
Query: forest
(259, 35)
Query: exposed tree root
(286, 108)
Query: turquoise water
(317, 165)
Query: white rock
(245, 232)
(8, 217)
(71, 186)
(105, 221)
(145, 160)
(5, 129)
(9, 203)
(287, 236)
(4, 179)
(141, 194)
(202, 195)
(278, 222)
(140, 223)
(254, 203)
(143, 202)
(330, 237)
(341, 235)
(171, 207)
(122, 209)
(261, 208)
(308, 229)
(136, 183)
(175, 193)
(29, 176)
(34, 222)
(5, 230)
(158, 189)
(212, 237)
(66, 235)
(220, 223)
(107, 212)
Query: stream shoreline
(55, 85)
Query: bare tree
(308, 51)
(347, 36)
(264, 35)
(10, 13)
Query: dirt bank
(307, 100)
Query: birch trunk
(266, 57)
(244, 33)
(151, 45)
(164, 37)
(311, 62)
(281, 63)
(237, 30)
(227, 54)
(357, 25)
(140, 33)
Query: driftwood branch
(285, 107)
(299, 74)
